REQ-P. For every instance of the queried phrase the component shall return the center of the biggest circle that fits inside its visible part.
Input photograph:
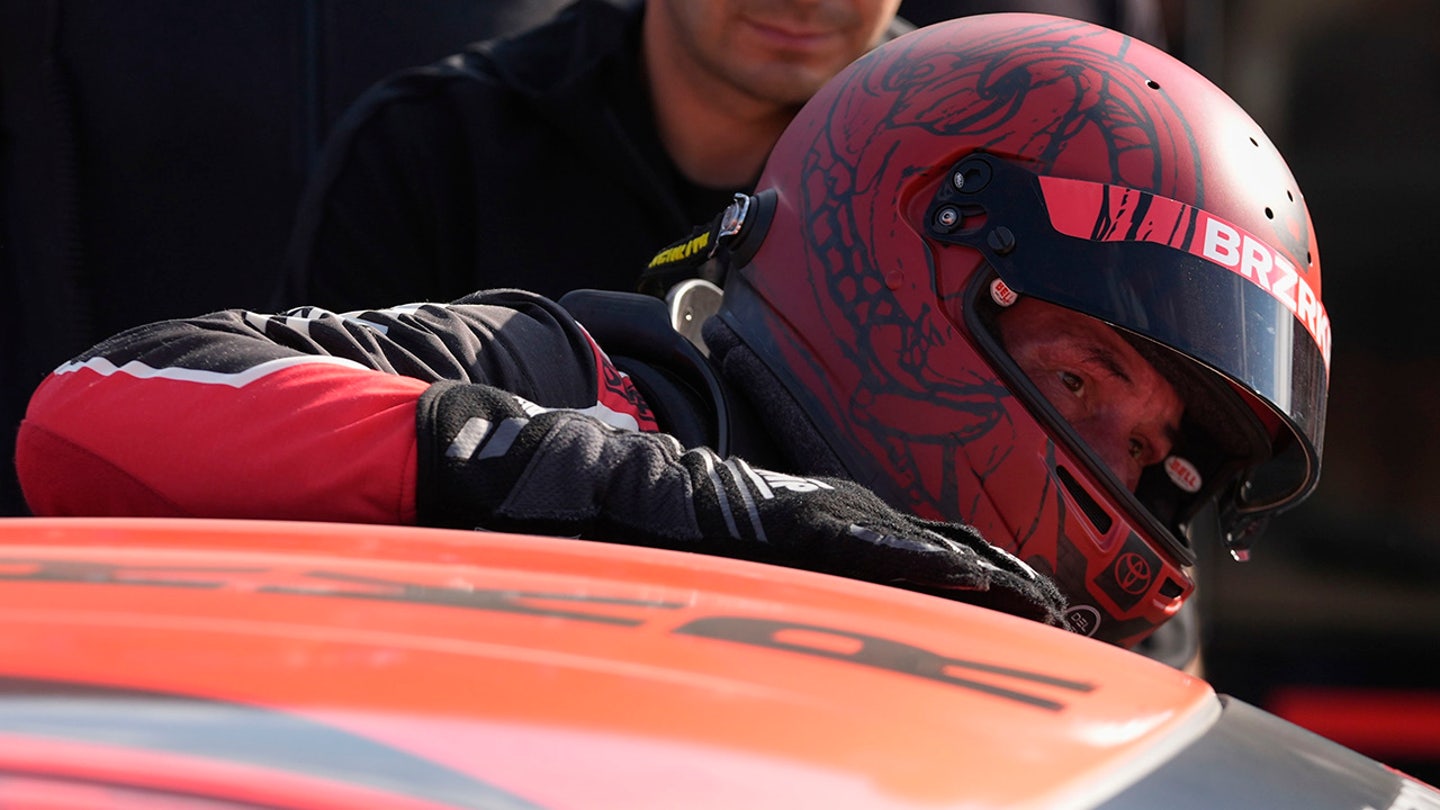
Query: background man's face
(1114, 399)
(778, 51)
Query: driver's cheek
(1106, 433)
(1110, 442)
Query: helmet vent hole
(1268, 213)
(1099, 518)
(1171, 589)
(1290, 195)
(1254, 142)
(1152, 84)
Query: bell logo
(1183, 474)
(1001, 293)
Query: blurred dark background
(151, 155)
(1334, 619)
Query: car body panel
(310, 665)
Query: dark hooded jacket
(530, 161)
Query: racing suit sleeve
(306, 415)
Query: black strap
(703, 254)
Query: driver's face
(1116, 401)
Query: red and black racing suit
(498, 411)
(307, 415)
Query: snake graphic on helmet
(1000, 157)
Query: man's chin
(785, 84)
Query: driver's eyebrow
(1105, 357)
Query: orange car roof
(454, 668)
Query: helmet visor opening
(1206, 445)
(1140, 264)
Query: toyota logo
(1132, 573)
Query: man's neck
(717, 135)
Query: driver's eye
(1137, 448)
(1072, 382)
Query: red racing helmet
(1004, 155)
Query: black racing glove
(491, 460)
